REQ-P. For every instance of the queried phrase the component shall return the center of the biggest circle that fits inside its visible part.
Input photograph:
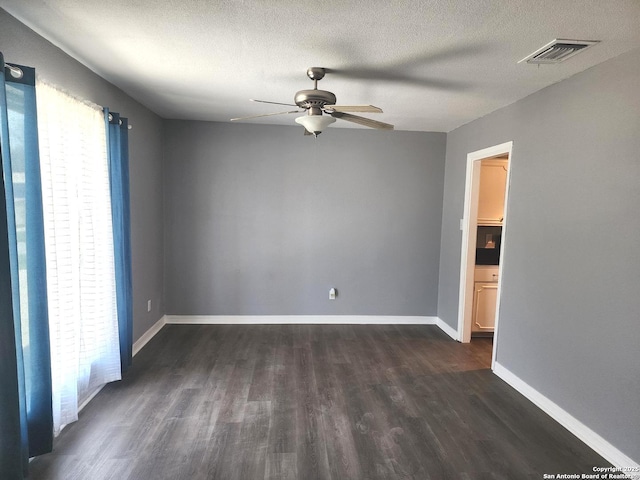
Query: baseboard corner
(446, 328)
(149, 334)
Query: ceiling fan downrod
(314, 100)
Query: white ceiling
(431, 65)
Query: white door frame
(468, 224)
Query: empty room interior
(412, 255)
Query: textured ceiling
(431, 65)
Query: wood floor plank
(254, 435)
(237, 392)
(281, 466)
(310, 440)
(220, 455)
(324, 402)
(282, 433)
(261, 387)
(341, 451)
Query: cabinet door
(485, 296)
(493, 181)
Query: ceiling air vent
(558, 51)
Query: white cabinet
(484, 306)
(485, 296)
(493, 182)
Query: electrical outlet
(148, 305)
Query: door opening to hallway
(483, 231)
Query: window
(81, 285)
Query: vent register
(558, 51)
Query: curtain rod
(129, 126)
(15, 71)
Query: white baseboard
(88, 399)
(148, 335)
(301, 319)
(446, 328)
(289, 319)
(568, 421)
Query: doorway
(486, 300)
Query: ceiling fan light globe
(315, 123)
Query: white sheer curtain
(79, 249)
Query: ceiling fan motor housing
(314, 98)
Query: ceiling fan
(321, 109)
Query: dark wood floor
(312, 402)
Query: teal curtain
(118, 145)
(25, 372)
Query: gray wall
(570, 315)
(21, 45)
(263, 220)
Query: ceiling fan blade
(353, 108)
(367, 122)
(272, 103)
(265, 115)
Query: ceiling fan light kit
(315, 123)
(317, 103)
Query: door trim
(468, 224)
